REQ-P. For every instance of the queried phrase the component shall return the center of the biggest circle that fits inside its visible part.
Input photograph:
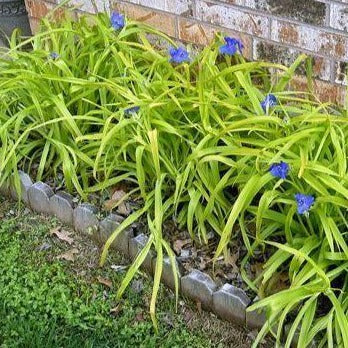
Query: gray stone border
(227, 302)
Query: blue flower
(54, 55)
(269, 101)
(117, 20)
(231, 47)
(304, 202)
(279, 170)
(178, 55)
(132, 110)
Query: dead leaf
(69, 255)
(179, 244)
(114, 200)
(62, 235)
(105, 281)
(232, 260)
(123, 209)
(109, 204)
(118, 195)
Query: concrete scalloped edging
(227, 302)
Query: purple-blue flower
(178, 55)
(279, 170)
(269, 101)
(232, 46)
(132, 110)
(117, 20)
(54, 55)
(304, 202)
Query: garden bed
(209, 148)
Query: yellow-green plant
(209, 140)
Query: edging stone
(230, 303)
(136, 244)
(85, 219)
(255, 319)
(62, 207)
(108, 226)
(26, 183)
(199, 287)
(167, 277)
(39, 195)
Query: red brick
(323, 91)
(339, 17)
(90, 6)
(232, 18)
(154, 4)
(161, 21)
(310, 38)
(289, 33)
(307, 11)
(37, 8)
(271, 52)
(180, 7)
(341, 73)
(34, 24)
(203, 34)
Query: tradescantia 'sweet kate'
(178, 55)
(117, 20)
(279, 170)
(231, 46)
(304, 202)
(269, 101)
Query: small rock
(44, 246)
(118, 268)
(185, 254)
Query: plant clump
(211, 141)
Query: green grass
(45, 302)
(198, 151)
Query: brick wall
(274, 30)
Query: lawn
(52, 298)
